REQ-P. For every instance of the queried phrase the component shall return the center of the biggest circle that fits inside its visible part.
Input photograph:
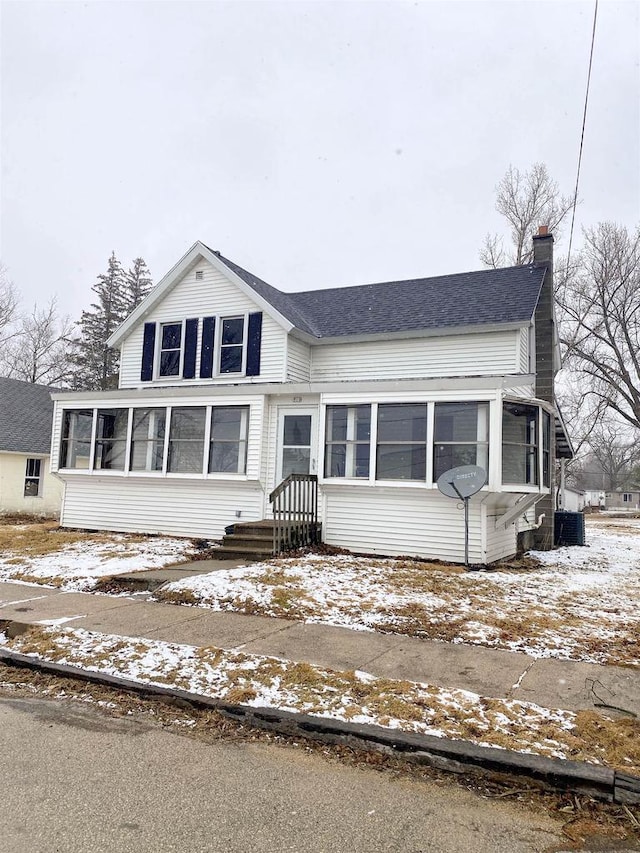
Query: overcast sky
(317, 144)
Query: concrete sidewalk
(491, 673)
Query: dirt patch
(41, 538)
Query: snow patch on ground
(79, 566)
(267, 682)
(580, 603)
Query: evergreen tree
(137, 284)
(95, 365)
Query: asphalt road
(73, 779)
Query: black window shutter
(254, 339)
(190, 343)
(148, 348)
(206, 351)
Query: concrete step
(250, 540)
(260, 543)
(238, 552)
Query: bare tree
(8, 305)
(526, 200)
(39, 351)
(611, 459)
(599, 302)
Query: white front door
(297, 442)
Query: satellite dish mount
(461, 484)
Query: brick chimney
(545, 373)
(545, 369)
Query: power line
(584, 121)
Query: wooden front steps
(250, 540)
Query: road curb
(451, 755)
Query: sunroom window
(75, 446)
(228, 447)
(520, 444)
(461, 436)
(546, 448)
(111, 439)
(232, 345)
(402, 441)
(186, 440)
(147, 439)
(348, 436)
(170, 349)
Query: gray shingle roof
(26, 413)
(484, 297)
(282, 302)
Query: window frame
(177, 441)
(219, 345)
(242, 441)
(71, 440)
(478, 443)
(102, 441)
(403, 443)
(543, 453)
(169, 410)
(351, 442)
(160, 324)
(428, 483)
(149, 442)
(31, 477)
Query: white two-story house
(228, 385)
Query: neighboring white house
(26, 485)
(228, 385)
(571, 500)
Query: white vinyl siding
(523, 351)
(525, 392)
(500, 541)
(408, 521)
(213, 295)
(298, 360)
(417, 358)
(56, 432)
(181, 507)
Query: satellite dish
(462, 482)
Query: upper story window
(520, 444)
(170, 349)
(461, 436)
(75, 445)
(348, 436)
(402, 441)
(202, 348)
(232, 345)
(33, 478)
